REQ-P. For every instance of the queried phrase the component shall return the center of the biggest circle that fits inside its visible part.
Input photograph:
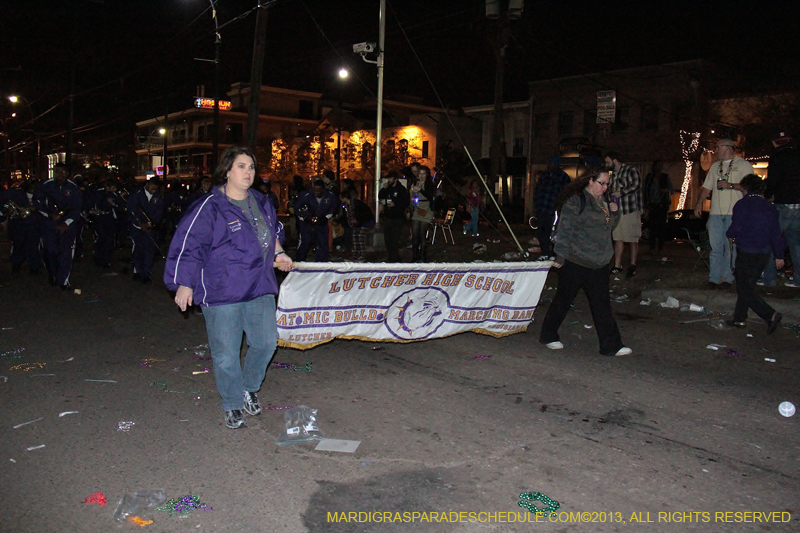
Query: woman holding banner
(222, 257)
(583, 249)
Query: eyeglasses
(601, 183)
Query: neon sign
(208, 103)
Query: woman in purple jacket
(221, 257)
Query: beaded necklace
(264, 239)
(727, 174)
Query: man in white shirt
(723, 178)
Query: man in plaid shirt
(548, 189)
(626, 190)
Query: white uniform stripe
(183, 245)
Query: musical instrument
(13, 210)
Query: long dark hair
(576, 187)
(230, 155)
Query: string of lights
(690, 141)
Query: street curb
(720, 301)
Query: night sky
(129, 54)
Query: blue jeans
(225, 325)
(473, 223)
(790, 227)
(720, 256)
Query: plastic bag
(139, 503)
(301, 426)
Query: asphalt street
(676, 437)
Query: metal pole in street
(379, 125)
(217, 46)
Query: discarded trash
(587, 326)
(125, 426)
(12, 354)
(164, 384)
(715, 346)
(786, 409)
(277, 408)
(5, 379)
(31, 448)
(663, 259)
(27, 367)
(734, 353)
(693, 321)
(337, 445)
(26, 423)
(35, 375)
(139, 521)
(719, 324)
(101, 380)
(530, 497)
(139, 504)
(67, 360)
(98, 497)
(645, 302)
(768, 360)
(670, 303)
(12, 460)
(77, 291)
(482, 357)
(793, 327)
(696, 308)
(479, 248)
(306, 368)
(186, 504)
(511, 255)
(574, 322)
(750, 335)
(622, 298)
(204, 371)
(376, 348)
(65, 413)
(6, 329)
(300, 426)
(150, 360)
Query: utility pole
(215, 133)
(166, 133)
(256, 72)
(502, 11)
(379, 126)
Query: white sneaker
(557, 345)
(623, 351)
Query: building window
(649, 118)
(589, 123)
(425, 145)
(201, 133)
(233, 133)
(306, 109)
(566, 122)
(542, 125)
(366, 154)
(621, 120)
(402, 152)
(518, 149)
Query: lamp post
(15, 99)
(343, 73)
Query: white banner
(405, 302)
(606, 107)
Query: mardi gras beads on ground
(530, 497)
(186, 504)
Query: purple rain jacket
(216, 253)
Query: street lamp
(343, 73)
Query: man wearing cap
(783, 184)
(626, 191)
(548, 189)
(723, 179)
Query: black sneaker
(234, 419)
(631, 271)
(251, 404)
(772, 325)
(52, 280)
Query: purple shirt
(755, 226)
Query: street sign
(606, 106)
(160, 170)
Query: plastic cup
(787, 409)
